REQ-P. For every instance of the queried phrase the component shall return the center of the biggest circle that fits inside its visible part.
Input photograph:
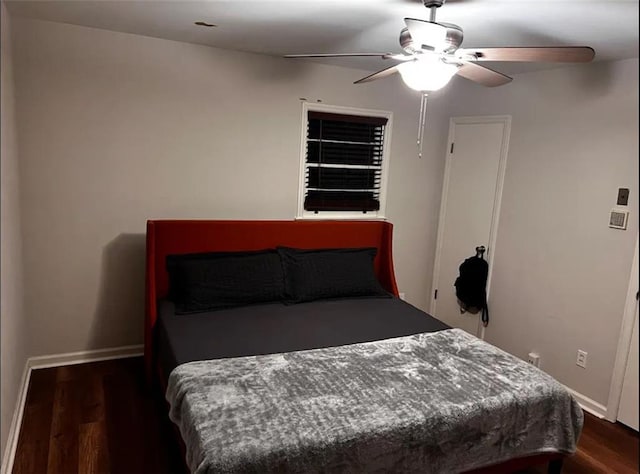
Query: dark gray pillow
(211, 281)
(329, 273)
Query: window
(344, 159)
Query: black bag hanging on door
(471, 285)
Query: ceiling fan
(432, 55)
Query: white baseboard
(70, 358)
(16, 422)
(588, 405)
(56, 360)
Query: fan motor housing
(433, 3)
(453, 39)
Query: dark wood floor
(98, 418)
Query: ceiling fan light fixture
(427, 74)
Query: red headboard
(166, 237)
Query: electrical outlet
(581, 360)
(534, 359)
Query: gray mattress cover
(274, 328)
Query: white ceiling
(321, 26)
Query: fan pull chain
(422, 122)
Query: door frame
(502, 167)
(624, 342)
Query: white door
(628, 411)
(474, 173)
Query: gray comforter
(441, 402)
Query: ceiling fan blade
(482, 75)
(340, 55)
(563, 54)
(378, 75)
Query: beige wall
(115, 129)
(13, 327)
(560, 274)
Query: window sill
(328, 215)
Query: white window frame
(386, 147)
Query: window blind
(343, 162)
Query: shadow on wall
(599, 79)
(119, 317)
(594, 78)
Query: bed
(351, 384)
